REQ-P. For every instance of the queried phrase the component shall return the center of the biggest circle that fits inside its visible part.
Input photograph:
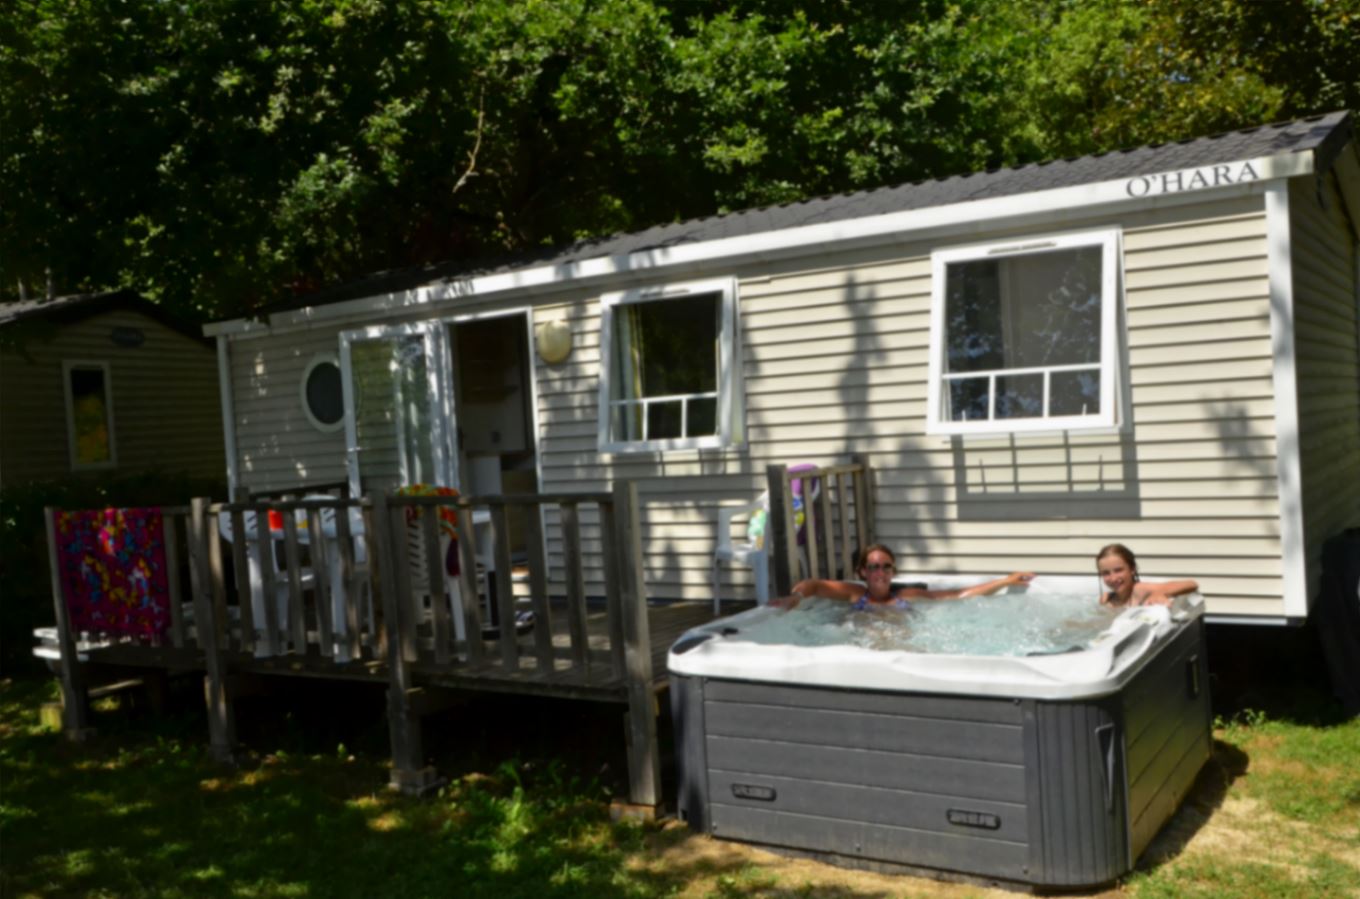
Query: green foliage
(25, 574)
(220, 155)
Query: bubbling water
(1007, 624)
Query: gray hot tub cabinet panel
(1168, 733)
(687, 719)
(898, 779)
(1058, 793)
(1076, 800)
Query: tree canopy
(218, 155)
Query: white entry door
(398, 407)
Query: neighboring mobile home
(102, 383)
(1156, 346)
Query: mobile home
(1156, 346)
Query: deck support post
(216, 689)
(410, 774)
(779, 534)
(75, 694)
(644, 773)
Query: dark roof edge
(1325, 154)
(77, 307)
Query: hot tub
(1049, 770)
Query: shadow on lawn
(1226, 763)
(141, 810)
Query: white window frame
(68, 366)
(1111, 376)
(730, 394)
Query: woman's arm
(1018, 577)
(843, 590)
(829, 589)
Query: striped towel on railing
(112, 569)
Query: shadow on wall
(1251, 453)
(1028, 479)
(1024, 481)
(911, 498)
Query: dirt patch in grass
(710, 867)
(1287, 856)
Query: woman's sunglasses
(876, 567)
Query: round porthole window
(322, 397)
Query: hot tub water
(1014, 624)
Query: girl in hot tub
(877, 565)
(1119, 572)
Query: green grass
(1211, 879)
(141, 810)
(1282, 800)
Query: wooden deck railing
(331, 587)
(838, 521)
(297, 588)
(333, 590)
(424, 630)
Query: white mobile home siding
(834, 361)
(1326, 335)
(277, 448)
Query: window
(669, 374)
(89, 414)
(1022, 336)
(322, 397)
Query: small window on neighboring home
(89, 414)
(1022, 336)
(322, 396)
(669, 374)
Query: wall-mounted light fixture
(553, 339)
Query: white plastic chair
(255, 572)
(745, 553)
(335, 568)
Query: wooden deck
(665, 625)
(356, 589)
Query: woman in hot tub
(1119, 572)
(877, 565)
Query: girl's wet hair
(1119, 549)
(863, 558)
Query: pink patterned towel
(112, 567)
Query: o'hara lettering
(1191, 179)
